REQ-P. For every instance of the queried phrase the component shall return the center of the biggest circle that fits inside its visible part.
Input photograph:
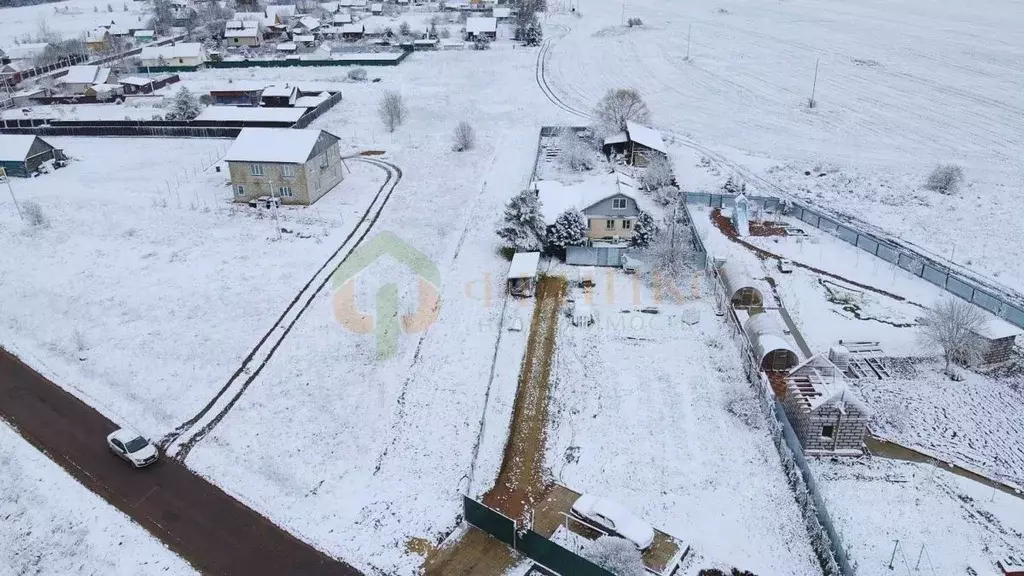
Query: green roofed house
(297, 166)
(21, 154)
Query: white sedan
(132, 447)
(614, 518)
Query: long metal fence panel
(491, 521)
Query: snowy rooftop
(287, 47)
(524, 265)
(304, 38)
(280, 91)
(376, 7)
(142, 33)
(183, 50)
(646, 136)
(556, 197)
(85, 75)
(241, 24)
(480, 24)
(352, 29)
(250, 113)
(500, 12)
(136, 81)
(312, 101)
(242, 33)
(996, 328)
(103, 88)
(15, 147)
(280, 145)
(342, 18)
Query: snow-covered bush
(618, 555)
(569, 229)
(575, 154)
(185, 106)
(644, 231)
(622, 105)
(633, 22)
(392, 110)
(481, 43)
(357, 74)
(523, 225)
(404, 29)
(464, 137)
(734, 186)
(34, 215)
(658, 173)
(945, 179)
(670, 255)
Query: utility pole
(6, 178)
(623, 12)
(688, 30)
(814, 86)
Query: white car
(614, 518)
(132, 447)
(785, 266)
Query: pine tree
(523, 226)
(569, 229)
(732, 186)
(644, 231)
(185, 106)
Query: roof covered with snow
(15, 147)
(352, 29)
(278, 91)
(376, 7)
(181, 50)
(524, 265)
(304, 38)
(251, 113)
(85, 75)
(480, 24)
(501, 12)
(144, 33)
(556, 198)
(287, 47)
(242, 32)
(309, 23)
(277, 145)
(312, 101)
(996, 328)
(342, 19)
(136, 81)
(645, 136)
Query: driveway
(197, 520)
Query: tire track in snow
(180, 442)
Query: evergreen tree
(185, 106)
(732, 186)
(523, 226)
(644, 231)
(569, 229)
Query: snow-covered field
(656, 414)
(54, 525)
(153, 107)
(945, 524)
(900, 88)
(70, 19)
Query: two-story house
(297, 166)
(611, 204)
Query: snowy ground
(961, 524)
(54, 525)
(22, 24)
(89, 111)
(900, 88)
(657, 415)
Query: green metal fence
(529, 543)
(399, 56)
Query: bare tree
(34, 215)
(620, 106)
(618, 555)
(945, 179)
(357, 75)
(464, 137)
(670, 255)
(954, 326)
(392, 110)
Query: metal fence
(399, 57)
(596, 255)
(1000, 301)
(315, 113)
(527, 542)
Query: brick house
(297, 166)
(826, 416)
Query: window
(828, 431)
(619, 203)
(285, 191)
(627, 224)
(256, 169)
(239, 190)
(288, 170)
(609, 224)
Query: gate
(596, 255)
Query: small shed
(105, 91)
(144, 36)
(377, 8)
(21, 154)
(637, 144)
(826, 415)
(743, 292)
(352, 31)
(241, 97)
(280, 96)
(774, 352)
(997, 340)
(481, 27)
(522, 274)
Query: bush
(481, 43)
(575, 155)
(357, 74)
(404, 29)
(658, 173)
(464, 137)
(34, 215)
(632, 22)
(945, 179)
(618, 555)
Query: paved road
(210, 529)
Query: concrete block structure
(826, 416)
(297, 166)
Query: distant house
(611, 204)
(352, 31)
(309, 24)
(144, 36)
(304, 40)
(287, 47)
(105, 91)
(297, 166)
(501, 12)
(13, 72)
(239, 97)
(376, 8)
(280, 96)
(341, 19)
(481, 27)
(637, 144)
(183, 55)
(78, 79)
(242, 33)
(24, 97)
(826, 415)
(280, 14)
(97, 41)
(146, 85)
(21, 154)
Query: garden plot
(69, 19)
(152, 108)
(899, 89)
(656, 414)
(963, 526)
(141, 296)
(54, 525)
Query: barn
(21, 154)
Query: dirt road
(197, 520)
